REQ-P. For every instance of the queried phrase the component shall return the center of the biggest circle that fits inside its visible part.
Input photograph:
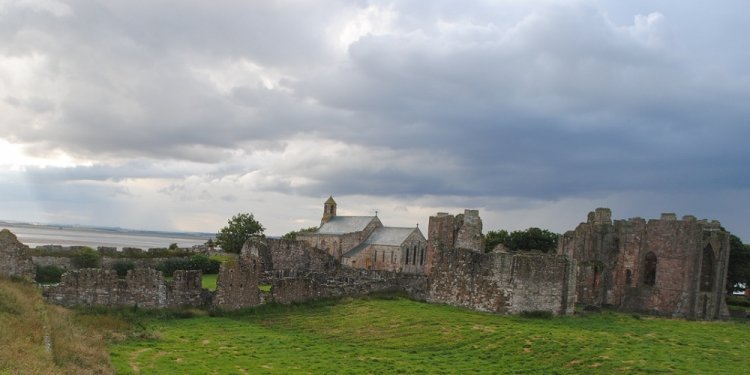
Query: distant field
(400, 336)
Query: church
(364, 242)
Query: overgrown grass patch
(397, 335)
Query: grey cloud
(529, 100)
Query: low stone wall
(503, 282)
(15, 259)
(142, 287)
(347, 282)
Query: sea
(34, 235)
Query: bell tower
(329, 210)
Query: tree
(239, 229)
(291, 236)
(529, 239)
(494, 238)
(738, 271)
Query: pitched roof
(385, 236)
(389, 236)
(345, 224)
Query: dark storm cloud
(530, 100)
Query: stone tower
(329, 210)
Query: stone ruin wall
(15, 257)
(502, 282)
(283, 258)
(346, 282)
(238, 283)
(142, 287)
(463, 275)
(611, 257)
(299, 272)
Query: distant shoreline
(34, 235)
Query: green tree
(529, 239)
(86, 257)
(291, 236)
(738, 271)
(239, 229)
(494, 238)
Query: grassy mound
(42, 339)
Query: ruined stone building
(461, 274)
(15, 257)
(666, 266)
(363, 242)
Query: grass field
(400, 336)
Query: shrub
(86, 257)
(205, 264)
(168, 266)
(48, 274)
(122, 267)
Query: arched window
(649, 269)
(628, 277)
(407, 256)
(707, 269)
(421, 257)
(375, 258)
(414, 258)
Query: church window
(707, 269)
(407, 256)
(628, 277)
(421, 257)
(649, 269)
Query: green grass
(208, 281)
(376, 336)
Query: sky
(176, 115)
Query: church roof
(385, 236)
(330, 200)
(345, 224)
(389, 236)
